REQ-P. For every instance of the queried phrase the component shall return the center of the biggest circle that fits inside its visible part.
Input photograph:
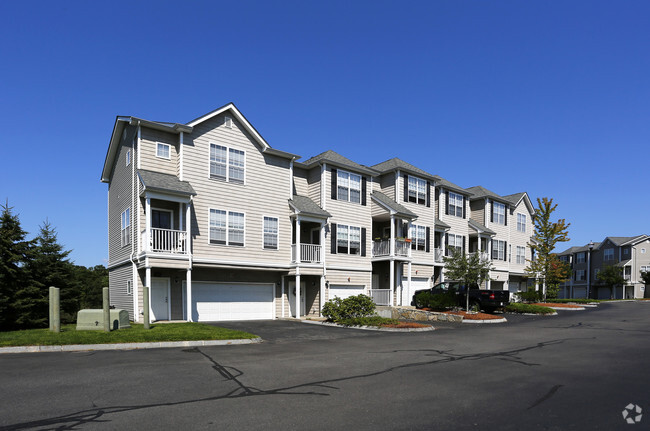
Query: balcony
(309, 253)
(380, 296)
(382, 248)
(165, 241)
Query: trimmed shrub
(438, 301)
(353, 307)
(529, 296)
(368, 321)
(575, 300)
(514, 307)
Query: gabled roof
(578, 249)
(165, 183)
(396, 163)
(514, 199)
(334, 158)
(451, 186)
(480, 192)
(392, 206)
(442, 224)
(304, 205)
(478, 227)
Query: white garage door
(231, 301)
(417, 283)
(345, 291)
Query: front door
(160, 299)
(292, 298)
(161, 219)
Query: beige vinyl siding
(117, 281)
(458, 225)
(340, 278)
(350, 214)
(520, 239)
(149, 139)
(314, 185)
(477, 211)
(120, 198)
(425, 218)
(502, 234)
(387, 184)
(264, 193)
(417, 271)
(300, 182)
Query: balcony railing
(165, 241)
(309, 253)
(438, 253)
(382, 248)
(380, 296)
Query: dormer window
(163, 151)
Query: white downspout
(180, 157)
(135, 213)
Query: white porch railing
(438, 254)
(382, 248)
(165, 241)
(380, 296)
(309, 253)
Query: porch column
(147, 233)
(298, 259)
(392, 282)
(297, 296)
(479, 245)
(392, 235)
(188, 293)
(180, 216)
(147, 281)
(188, 228)
(408, 302)
(321, 298)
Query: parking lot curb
(126, 346)
(369, 328)
(487, 321)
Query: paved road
(575, 371)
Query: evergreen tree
(546, 235)
(90, 282)
(15, 253)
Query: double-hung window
(227, 164)
(126, 227)
(499, 213)
(418, 235)
(581, 275)
(521, 255)
(580, 257)
(498, 250)
(521, 222)
(271, 233)
(455, 204)
(417, 190)
(348, 187)
(645, 268)
(608, 254)
(454, 243)
(348, 239)
(163, 151)
(129, 287)
(226, 227)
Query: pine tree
(15, 254)
(545, 236)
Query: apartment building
(632, 254)
(221, 226)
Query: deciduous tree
(469, 269)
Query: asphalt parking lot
(578, 370)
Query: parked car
(479, 299)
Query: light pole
(591, 247)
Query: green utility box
(93, 320)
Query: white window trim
(125, 227)
(227, 244)
(349, 186)
(584, 257)
(497, 255)
(338, 226)
(277, 242)
(497, 217)
(163, 210)
(582, 273)
(227, 121)
(461, 206)
(608, 256)
(521, 255)
(418, 180)
(128, 157)
(129, 287)
(227, 179)
(169, 151)
(413, 235)
(521, 222)
(455, 238)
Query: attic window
(163, 151)
(227, 121)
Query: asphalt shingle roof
(451, 186)
(396, 163)
(335, 158)
(158, 181)
(478, 226)
(390, 203)
(305, 205)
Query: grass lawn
(136, 334)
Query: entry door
(160, 299)
(292, 298)
(161, 219)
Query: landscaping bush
(438, 301)
(529, 296)
(353, 307)
(368, 321)
(515, 307)
(575, 300)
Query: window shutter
(492, 212)
(333, 238)
(364, 187)
(428, 239)
(363, 241)
(505, 215)
(463, 201)
(406, 188)
(446, 244)
(334, 185)
(428, 195)
(447, 202)
(505, 250)
(492, 251)
(463, 245)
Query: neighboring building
(222, 226)
(630, 253)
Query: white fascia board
(113, 145)
(181, 198)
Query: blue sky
(548, 97)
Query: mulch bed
(556, 305)
(404, 325)
(474, 316)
